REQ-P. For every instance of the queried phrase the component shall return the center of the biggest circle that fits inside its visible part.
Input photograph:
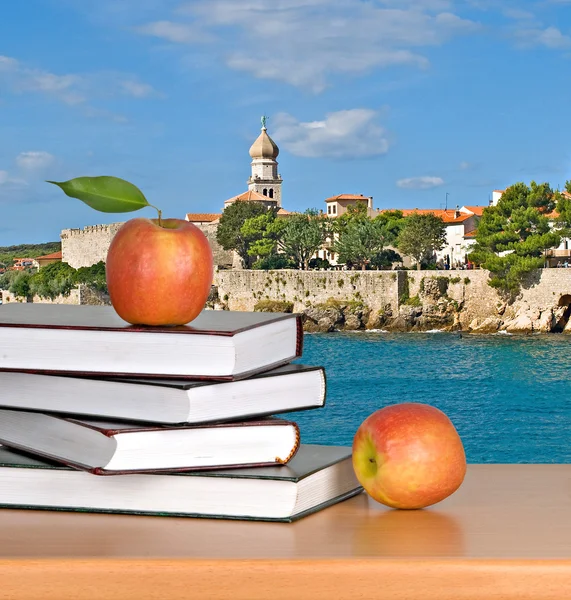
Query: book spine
(299, 344)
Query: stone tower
(265, 178)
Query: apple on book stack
(100, 415)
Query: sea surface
(508, 396)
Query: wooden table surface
(506, 534)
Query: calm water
(508, 396)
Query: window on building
(329, 209)
(334, 209)
(265, 192)
(271, 193)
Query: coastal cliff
(401, 300)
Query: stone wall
(73, 298)
(243, 289)
(222, 258)
(82, 294)
(406, 300)
(87, 246)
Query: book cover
(26, 483)
(292, 387)
(94, 340)
(104, 448)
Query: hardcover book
(105, 448)
(170, 401)
(317, 477)
(224, 345)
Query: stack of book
(102, 416)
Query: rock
(521, 324)
(322, 318)
(567, 328)
(406, 319)
(473, 324)
(489, 325)
(501, 308)
(352, 323)
(380, 318)
(355, 315)
(375, 321)
(544, 324)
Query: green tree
(421, 235)
(363, 241)
(20, 284)
(513, 236)
(563, 221)
(229, 233)
(262, 233)
(274, 261)
(93, 276)
(7, 278)
(302, 236)
(52, 280)
(392, 222)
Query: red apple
(408, 455)
(159, 275)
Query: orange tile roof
(347, 197)
(283, 211)
(202, 217)
(471, 234)
(448, 216)
(477, 210)
(500, 191)
(54, 255)
(251, 196)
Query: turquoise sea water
(508, 396)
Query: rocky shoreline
(435, 306)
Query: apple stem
(160, 214)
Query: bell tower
(265, 178)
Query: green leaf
(106, 194)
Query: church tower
(265, 178)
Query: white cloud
(34, 160)
(179, 33)
(420, 183)
(344, 134)
(7, 63)
(305, 42)
(8, 181)
(71, 89)
(137, 89)
(550, 37)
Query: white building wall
(456, 246)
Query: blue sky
(404, 100)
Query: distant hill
(9, 253)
